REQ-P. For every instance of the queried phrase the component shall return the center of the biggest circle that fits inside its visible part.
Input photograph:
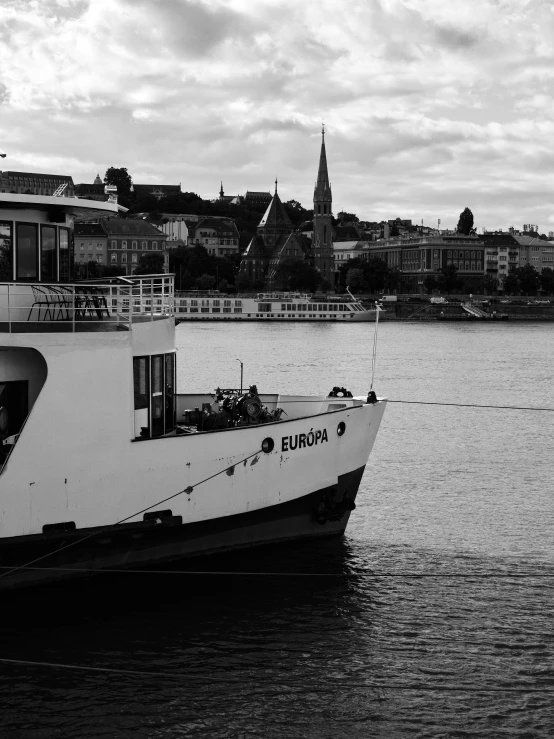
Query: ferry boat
(103, 464)
(194, 305)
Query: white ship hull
(283, 307)
(78, 466)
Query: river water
(432, 617)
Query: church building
(277, 239)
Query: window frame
(34, 226)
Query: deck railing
(94, 305)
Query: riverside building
(419, 256)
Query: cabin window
(66, 253)
(157, 395)
(48, 266)
(141, 377)
(6, 253)
(169, 392)
(27, 252)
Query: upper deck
(97, 305)
(38, 291)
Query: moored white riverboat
(103, 464)
(195, 305)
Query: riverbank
(404, 311)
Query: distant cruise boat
(195, 305)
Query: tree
(355, 281)
(325, 286)
(223, 285)
(297, 274)
(448, 279)
(547, 280)
(376, 274)
(347, 217)
(119, 177)
(511, 284)
(529, 279)
(394, 278)
(490, 284)
(465, 223)
(206, 282)
(297, 213)
(431, 283)
(151, 263)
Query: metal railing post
(73, 302)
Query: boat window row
(29, 251)
(195, 302)
(154, 387)
(320, 307)
(206, 309)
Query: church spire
(322, 187)
(221, 193)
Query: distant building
(417, 256)
(536, 252)
(35, 183)
(91, 243)
(229, 199)
(274, 241)
(96, 190)
(129, 238)
(348, 232)
(157, 191)
(257, 199)
(219, 236)
(346, 250)
(175, 228)
(502, 255)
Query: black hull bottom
(324, 512)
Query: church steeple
(322, 187)
(221, 193)
(322, 239)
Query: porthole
(268, 445)
(341, 428)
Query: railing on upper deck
(94, 305)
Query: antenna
(374, 357)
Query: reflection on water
(441, 590)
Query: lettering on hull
(301, 441)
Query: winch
(231, 408)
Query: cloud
(425, 102)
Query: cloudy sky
(429, 105)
